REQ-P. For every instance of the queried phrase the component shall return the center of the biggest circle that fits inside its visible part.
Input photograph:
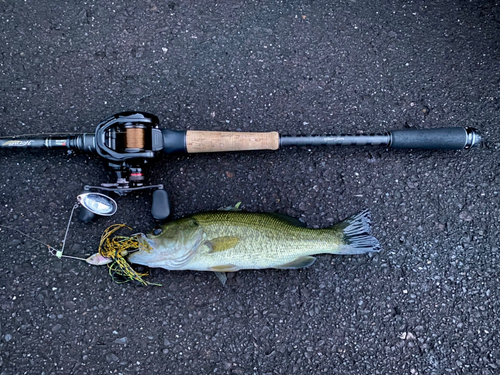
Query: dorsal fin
(236, 207)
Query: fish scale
(225, 241)
(265, 241)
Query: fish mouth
(145, 243)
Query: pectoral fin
(222, 243)
(301, 262)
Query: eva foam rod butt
(437, 139)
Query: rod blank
(337, 140)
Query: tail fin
(357, 238)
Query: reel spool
(135, 137)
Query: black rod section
(82, 142)
(437, 139)
(337, 140)
(49, 142)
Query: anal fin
(301, 262)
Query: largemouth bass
(228, 241)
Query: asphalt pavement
(428, 303)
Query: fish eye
(157, 231)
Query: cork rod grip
(211, 141)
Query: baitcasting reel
(127, 141)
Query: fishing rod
(130, 140)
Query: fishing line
(135, 137)
(27, 235)
(52, 251)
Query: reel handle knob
(160, 208)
